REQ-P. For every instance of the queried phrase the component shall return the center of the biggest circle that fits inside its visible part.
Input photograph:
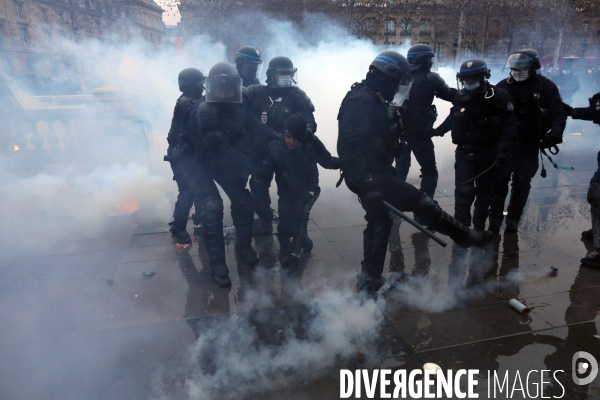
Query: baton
(481, 174)
(415, 224)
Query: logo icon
(469, 64)
(581, 367)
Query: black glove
(502, 158)
(548, 142)
(568, 110)
(213, 139)
(335, 163)
(437, 133)
(371, 195)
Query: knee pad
(185, 196)
(213, 210)
(244, 204)
(428, 209)
(593, 195)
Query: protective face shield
(251, 69)
(519, 61)
(402, 91)
(519, 75)
(223, 89)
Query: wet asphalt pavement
(79, 320)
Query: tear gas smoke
(74, 197)
(262, 349)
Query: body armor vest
(228, 121)
(273, 106)
(475, 119)
(526, 102)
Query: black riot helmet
(390, 73)
(474, 68)
(419, 56)
(282, 67)
(524, 60)
(248, 62)
(190, 80)
(223, 84)
(296, 126)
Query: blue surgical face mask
(284, 81)
(518, 75)
(471, 87)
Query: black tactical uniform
(272, 104)
(541, 117)
(592, 113)
(248, 63)
(191, 83)
(297, 180)
(484, 129)
(420, 115)
(367, 143)
(218, 150)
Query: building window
(406, 29)
(441, 51)
(586, 25)
(24, 36)
(389, 45)
(424, 29)
(19, 9)
(390, 28)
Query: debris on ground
(576, 134)
(148, 275)
(553, 271)
(517, 305)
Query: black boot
(285, 250)
(445, 224)
(512, 225)
(249, 255)
(307, 244)
(262, 227)
(588, 235)
(220, 274)
(369, 285)
(495, 224)
(181, 236)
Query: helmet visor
(223, 89)
(251, 69)
(402, 91)
(518, 61)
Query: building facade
(33, 32)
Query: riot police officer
(249, 65)
(272, 103)
(542, 119)
(218, 149)
(368, 141)
(484, 129)
(592, 113)
(420, 115)
(191, 84)
(293, 160)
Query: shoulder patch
(510, 106)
